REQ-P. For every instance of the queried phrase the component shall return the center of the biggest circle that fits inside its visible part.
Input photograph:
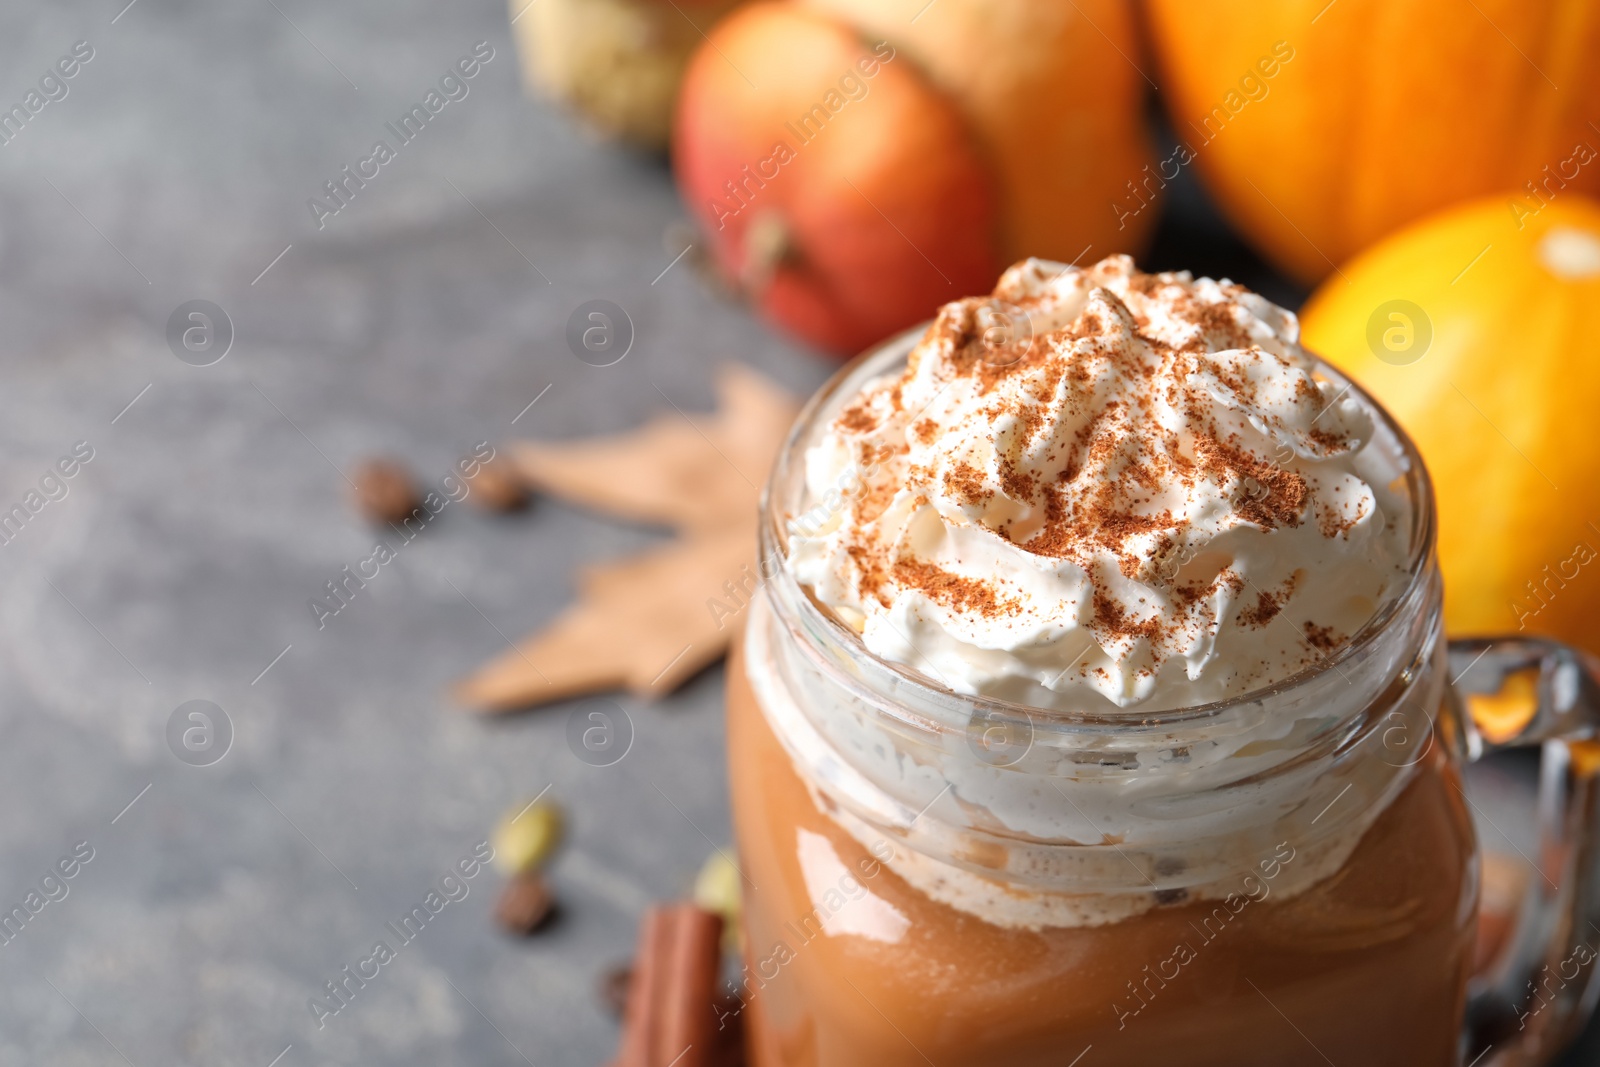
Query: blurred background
(221, 301)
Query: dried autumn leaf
(680, 470)
(641, 623)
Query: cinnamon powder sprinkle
(1265, 610)
(1123, 441)
(1322, 638)
(954, 590)
(859, 418)
(1111, 617)
(967, 481)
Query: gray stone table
(422, 318)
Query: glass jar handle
(1537, 992)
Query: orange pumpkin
(1320, 127)
(1479, 328)
(1053, 93)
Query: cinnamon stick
(642, 1020)
(689, 1029)
(671, 1017)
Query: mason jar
(1288, 877)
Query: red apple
(841, 190)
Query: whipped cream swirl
(1099, 487)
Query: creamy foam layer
(1101, 488)
(896, 797)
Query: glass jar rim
(879, 359)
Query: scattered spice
(498, 486)
(613, 989)
(527, 836)
(525, 904)
(385, 492)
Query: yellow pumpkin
(1053, 93)
(1479, 328)
(1321, 127)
